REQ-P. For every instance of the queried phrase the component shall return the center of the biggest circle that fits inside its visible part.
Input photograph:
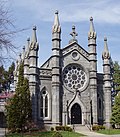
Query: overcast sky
(106, 15)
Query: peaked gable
(75, 46)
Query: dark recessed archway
(2, 120)
(76, 114)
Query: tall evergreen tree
(19, 107)
(10, 72)
(116, 76)
(115, 118)
(3, 78)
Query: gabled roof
(72, 46)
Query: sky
(106, 18)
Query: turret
(26, 60)
(56, 38)
(33, 72)
(107, 83)
(33, 57)
(93, 71)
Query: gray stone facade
(67, 89)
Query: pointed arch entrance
(76, 114)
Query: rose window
(74, 77)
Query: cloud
(106, 11)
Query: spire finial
(56, 26)
(91, 33)
(28, 42)
(56, 12)
(23, 54)
(34, 37)
(91, 18)
(34, 27)
(28, 39)
(105, 38)
(91, 25)
(105, 54)
(23, 48)
(20, 56)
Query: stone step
(81, 127)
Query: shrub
(52, 128)
(12, 130)
(57, 134)
(57, 128)
(63, 128)
(101, 127)
(18, 130)
(95, 127)
(68, 129)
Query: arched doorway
(76, 114)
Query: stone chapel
(67, 89)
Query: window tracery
(44, 101)
(74, 76)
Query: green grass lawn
(109, 131)
(47, 134)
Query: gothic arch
(44, 104)
(76, 114)
(77, 100)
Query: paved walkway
(94, 134)
(84, 130)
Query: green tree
(115, 118)
(6, 77)
(11, 72)
(3, 78)
(19, 107)
(116, 77)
